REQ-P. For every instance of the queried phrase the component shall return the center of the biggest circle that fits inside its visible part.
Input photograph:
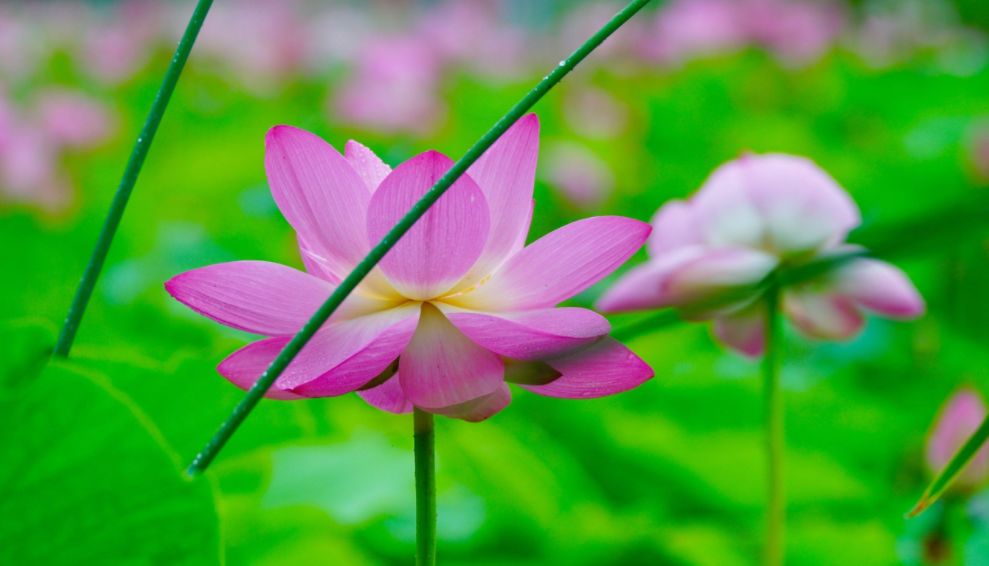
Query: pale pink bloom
(394, 87)
(796, 31)
(960, 416)
(28, 162)
(470, 34)
(574, 171)
(753, 215)
(113, 49)
(458, 307)
(685, 29)
(72, 119)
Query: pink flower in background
(753, 215)
(979, 152)
(470, 34)
(684, 29)
(458, 307)
(581, 177)
(72, 119)
(595, 113)
(113, 49)
(393, 88)
(797, 32)
(957, 421)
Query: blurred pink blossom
(580, 176)
(710, 254)
(595, 113)
(459, 308)
(72, 119)
(958, 419)
(469, 34)
(115, 47)
(394, 87)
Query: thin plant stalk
(141, 146)
(773, 401)
(364, 267)
(954, 467)
(425, 456)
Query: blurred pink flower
(754, 214)
(394, 87)
(470, 34)
(583, 178)
(28, 162)
(595, 113)
(458, 307)
(72, 119)
(795, 31)
(114, 48)
(958, 419)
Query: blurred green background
(893, 102)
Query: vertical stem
(141, 146)
(773, 400)
(425, 454)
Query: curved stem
(364, 267)
(141, 146)
(773, 399)
(425, 488)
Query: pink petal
(530, 335)
(442, 367)
(244, 367)
(642, 287)
(605, 368)
(718, 275)
(320, 194)
(388, 397)
(477, 410)
(255, 296)
(367, 164)
(559, 265)
(744, 331)
(506, 173)
(880, 287)
(960, 416)
(826, 316)
(783, 201)
(339, 358)
(431, 257)
(673, 227)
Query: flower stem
(425, 442)
(773, 399)
(278, 365)
(141, 146)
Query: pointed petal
(559, 265)
(506, 173)
(477, 410)
(255, 296)
(244, 367)
(744, 331)
(605, 368)
(529, 335)
(643, 286)
(320, 195)
(339, 358)
(367, 164)
(718, 275)
(826, 316)
(388, 397)
(442, 367)
(880, 287)
(431, 257)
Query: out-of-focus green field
(670, 473)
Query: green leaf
(25, 346)
(86, 479)
(954, 467)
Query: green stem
(365, 266)
(425, 443)
(773, 399)
(141, 146)
(954, 467)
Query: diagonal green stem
(361, 270)
(425, 451)
(773, 399)
(954, 467)
(141, 146)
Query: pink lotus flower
(72, 119)
(958, 419)
(458, 307)
(753, 215)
